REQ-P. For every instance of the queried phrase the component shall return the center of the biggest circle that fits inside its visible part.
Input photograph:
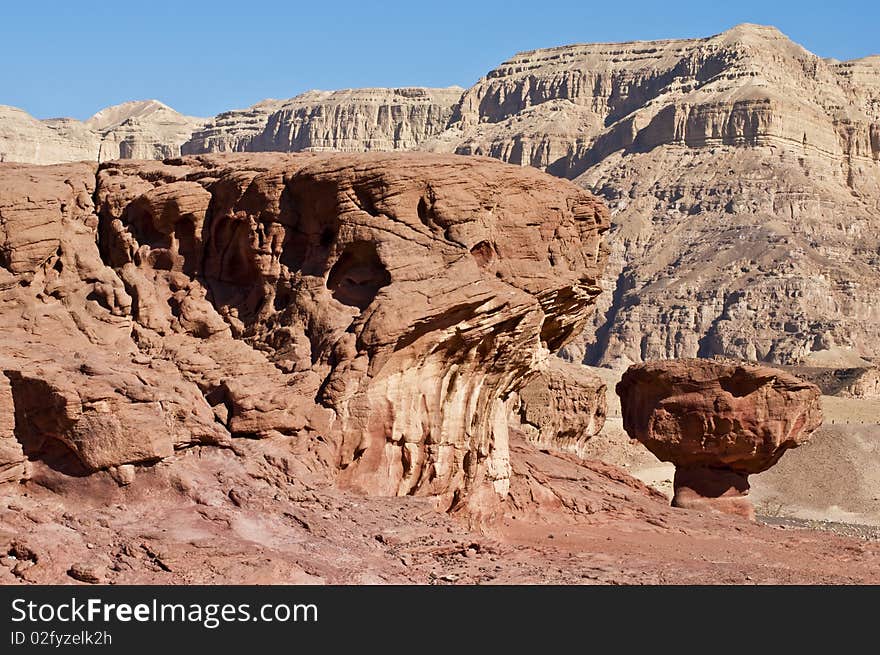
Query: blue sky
(73, 57)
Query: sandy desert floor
(222, 519)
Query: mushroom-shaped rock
(718, 422)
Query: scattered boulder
(718, 422)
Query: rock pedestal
(704, 488)
(718, 422)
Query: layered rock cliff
(232, 131)
(743, 174)
(350, 120)
(142, 130)
(374, 313)
(567, 108)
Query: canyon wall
(742, 172)
(133, 130)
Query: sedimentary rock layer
(562, 407)
(350, 120)
(701, 413)
(718, 422)
(742, 172)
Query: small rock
(236, 497)
(123, 474)
(221, 412)
(85, 572)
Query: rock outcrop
(23, 138)
(350, 120)
(562, 407)
(133, 130)
(142, 130)
(718, 423)
(76, 393)
(233, 131)
(376, 312)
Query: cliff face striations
(133, 130)
(350, 120)
(743, 177)
(742, 173)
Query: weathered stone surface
(562, 407)
(375, 310)
(145, 129)
(850, 382)
(12, 459)
(707, 489)
(23, 138)
(232, 131)
(349, 120)
(78, 394)
(228, 518)
(741, 170)
(717, 422)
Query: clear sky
(73, 57)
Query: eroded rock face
(75, 391)
(562, 407)
(742, 172)
(569, 107)
(851, 382)
(376, 311)
(23, 138)
(348, 120)
(717, 422)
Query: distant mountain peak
(115, 115)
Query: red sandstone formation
(717, 422)
(377, 311)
